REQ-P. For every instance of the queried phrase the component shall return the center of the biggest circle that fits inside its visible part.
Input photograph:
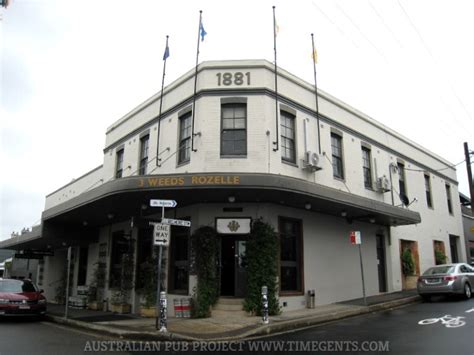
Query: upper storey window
(402, 187)
(287, 125)
(119, 164)
(234, 129)
(429, 199)
(184, 149)
(448, 199)
(367, 167)
(336, 146)
(144, 142)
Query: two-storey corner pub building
(237, 151)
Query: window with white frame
(337, 164)
(119, 164)
(184, 148)
(287, 126)
(428, 194)
(234, 129)
(144, 143)
(367, 167)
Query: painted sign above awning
(189, 180)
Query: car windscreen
(448, 269)
(16, 286)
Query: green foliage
(262, 268)
(408, 264)
(148, 279)
(440, 257)
(126, 279)
(206, 250)
(97, 283)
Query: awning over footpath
(78, 219)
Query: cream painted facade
(329, 263)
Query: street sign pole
(158, 286)
(362, 273)
(356, 238)
(161, 238)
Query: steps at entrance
(229, 306)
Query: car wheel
(467, 291)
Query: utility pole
(469, 175)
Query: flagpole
(316, 94)
(195, 82)
(165, 56)
(277, 142)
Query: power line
(441, 169)
(341, 31)
(361, 33)
(385, 24)
(435, 61)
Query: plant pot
(410, 282)
(148, 312)
(95, 306)
(121, 308)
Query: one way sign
(161, 234)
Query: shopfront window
(179, 255)
(290, 255)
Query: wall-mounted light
(110, 215)
(85, 223)
(231, 199)
(343, 214)
(307, 205)
(372, 220)
(143, 206)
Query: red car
(21, 297)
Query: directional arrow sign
(176, 222)
(163, 203)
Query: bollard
(313, 298)
(163, 311)
(265, 304)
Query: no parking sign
(355, 237)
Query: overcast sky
(69, 69)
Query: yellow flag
(315, 56)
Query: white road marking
(447, 320)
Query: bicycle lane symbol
(447, 320)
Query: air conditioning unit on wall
(312, 161)
(382, 184)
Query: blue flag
(202, 31)
(167, 52)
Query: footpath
(223, 328)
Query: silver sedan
(447, 279)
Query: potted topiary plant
(120, 298)
(148, 287)
(408, 269)
(95, 300)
